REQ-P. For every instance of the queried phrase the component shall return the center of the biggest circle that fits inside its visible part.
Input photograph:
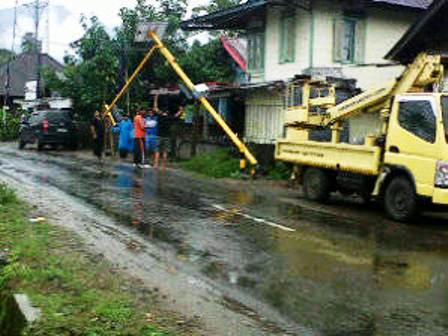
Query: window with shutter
(338, 39)
(349, 40)
(287, 37)
(360, 38)
(256, 51)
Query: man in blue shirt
(158, 124)
(152, 131)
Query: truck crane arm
(424, 71)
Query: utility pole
(37, 6)
(8, 65)
(48, 27)
(36, 36)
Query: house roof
(237, 49)
(420, 4)
(23, 69)
(230, 18)
(428, 33)
(236, 17)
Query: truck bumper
(440, 196)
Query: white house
(340, 38)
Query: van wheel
(40, 146)
(400, 201)
(316, 185)
(73, 146)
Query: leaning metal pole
(111, 106)
(203, 100)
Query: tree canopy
(30, 44)
(5, 56)
(215, 5)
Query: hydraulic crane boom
(425, 70)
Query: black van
(50, 127)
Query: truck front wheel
(316, 185)
(400, 201)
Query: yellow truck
(403, 161)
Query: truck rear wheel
(400, 201)
(316, 185)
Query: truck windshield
(445, 115)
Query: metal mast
(38, 51)
(8, 65)
(37, 7)
(48, 27)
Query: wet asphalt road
(294, 266)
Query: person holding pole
(97, 129)
(139, 143)
(158, 128)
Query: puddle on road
(340, 275)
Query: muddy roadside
(74, 290)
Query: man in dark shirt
(165, 123)
(97, 129)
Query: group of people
(149, 133)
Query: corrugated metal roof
(427, 34)
(232, 17)
(237, 48)
(236, 17)
(422, 4)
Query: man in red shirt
(139, 143)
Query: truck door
(412, 139)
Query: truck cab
(415, 164)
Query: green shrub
(7, 196)
(279, 171)
(218, 164)
(10, 131)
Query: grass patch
(280, 171)
(79, 293)
(224, 163)
(218, 164)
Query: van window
(36, 118)
(418, 118)
(445, 115)
(58, 116)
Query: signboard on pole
(31, 90)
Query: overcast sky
(64, 16)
